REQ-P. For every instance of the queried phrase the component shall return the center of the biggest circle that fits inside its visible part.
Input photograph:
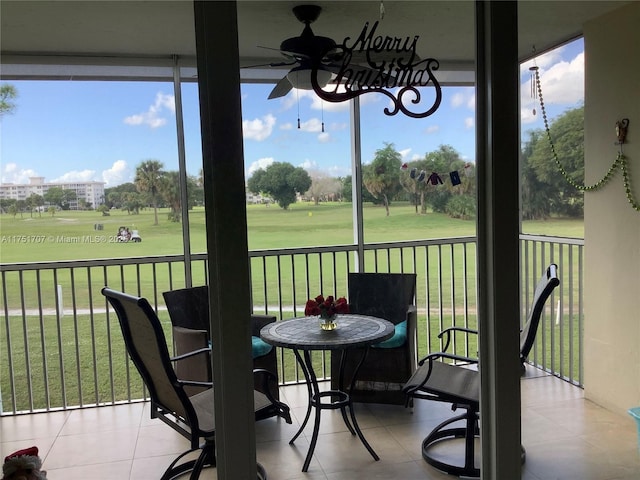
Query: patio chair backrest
(147, 347)
(189, 307)
(547, 283)
(383, 295)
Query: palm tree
(149, 179)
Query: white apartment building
(91, 192)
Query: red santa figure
(23, 465)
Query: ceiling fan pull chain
(298, 102)
(322, 113)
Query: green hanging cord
(620, 161)
(626, 180)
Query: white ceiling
(165, 28)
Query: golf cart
(126, 235)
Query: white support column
(182, 169)
(356, 183)
(498, 237)
(216, 28)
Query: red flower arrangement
(326, 307)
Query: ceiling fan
(301, 52)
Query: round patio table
(305, 335)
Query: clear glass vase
(328, 323)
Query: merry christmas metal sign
(392, 65)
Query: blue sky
(79, 131)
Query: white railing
(61, 346)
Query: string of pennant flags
(435, 178)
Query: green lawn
(45, 238)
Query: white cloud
(562, 84)
(335, 126)
(466, 98)
(260, 164)
(76, 176)
(339, 171)
(471, 102)
(312, 125)
(543, 61)
(457, 99)
(469, 122)
(153, 116)
(324, 137)
(308, 164)
(432, 129)
(258, 129)
(296, 96)
(403, 153)
(11, 173)
(527, 116)
(117, 174)
(318, 104)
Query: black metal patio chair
(192, 417)
(451, 378)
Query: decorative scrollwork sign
(391, 62)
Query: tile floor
(566, 437)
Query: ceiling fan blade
(288, 53)
(277, 64)
(281, 89)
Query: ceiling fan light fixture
(300, 77)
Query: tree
(567, 133)
(30, 204)
(281, 181)
(103, 209)
(442, 197)
(21, 205)
(38, 202)
(67, 197)
(535, 194)
(35, 201)
(132, 202)
(382, 176)
(13, 210)
(171, 194)
(149, 179)
(114, 198)
(347, 189)
(8, 94)
(60, 197)
(54, 196)
(412, 179)
(6, 203)
(323, 187)
(116, 195)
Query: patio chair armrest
(431, 357)
(422, 374)
(177, 358)
(451, 356)
(194, 383)
(451, 331)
